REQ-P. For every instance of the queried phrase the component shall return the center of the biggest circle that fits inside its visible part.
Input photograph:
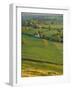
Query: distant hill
(42, 17)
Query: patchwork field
(41, 45)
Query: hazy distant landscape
(41, 44)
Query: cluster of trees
(58, 37)
(32, 23)
(50, 27)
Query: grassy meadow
(41, 45)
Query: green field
(35, 50)
(42, 48)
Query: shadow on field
(32, 60)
